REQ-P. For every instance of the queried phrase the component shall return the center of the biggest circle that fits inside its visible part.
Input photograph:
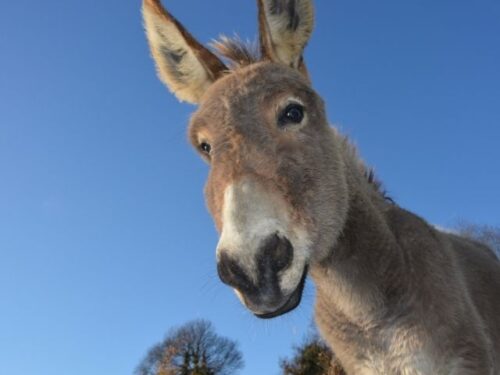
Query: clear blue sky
(104, 239)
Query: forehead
(242, 92)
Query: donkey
(290, 197)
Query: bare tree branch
(312, 357)
(192, 349)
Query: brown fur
(179, 56)
(238, 52)
(394, 295)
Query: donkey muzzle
(259, 285)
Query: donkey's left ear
(185, 66)
(285, 27)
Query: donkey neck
(365, 269)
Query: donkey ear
(285, 27)
(183, 64)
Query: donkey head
(276, 187)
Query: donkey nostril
(283, 254)
(232, 274)
(280, 250)
(223, 269)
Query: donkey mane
(367, 172)
(237, 52)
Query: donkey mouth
(291, 303)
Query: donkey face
(264, 133)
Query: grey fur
(395, 296)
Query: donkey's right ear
(285, 27)
(183, 64)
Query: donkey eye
(292, 114)
(205, 147)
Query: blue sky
(105, 242)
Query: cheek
(297, 182)
(213, 199)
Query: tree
(487, 234)
(312, 357)
(192, 349)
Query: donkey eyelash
(290, 100)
